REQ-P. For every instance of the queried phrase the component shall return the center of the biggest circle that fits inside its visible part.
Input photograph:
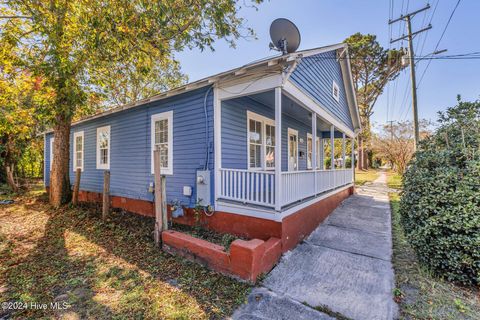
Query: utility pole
(391, 130)
(411, 55)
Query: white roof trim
(349, 88)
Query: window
(269, 146)
(78, 150)
(162, 139)
(51, 152)
(309, 151)
(292, 149)
(261, 142)
(103, 148)
(336, 91)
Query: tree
(128, 82)
(394, 144)
(72, 41)
(372, 68)
(22, 97)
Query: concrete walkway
(343, 268)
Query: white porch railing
(298, 185)
(258, 187)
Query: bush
(440, 204)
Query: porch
(314, 150)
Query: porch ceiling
(291, 108)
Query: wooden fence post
(76, 186)
(161, 223)
(106, 194)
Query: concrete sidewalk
(344, 266)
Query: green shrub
(440, 204)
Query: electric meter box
(203, 187)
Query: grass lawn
(421, 295)
(394, 180)
(362, 176)
(101, 270)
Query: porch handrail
(258, 186)
(248, 186)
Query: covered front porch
(260, 173)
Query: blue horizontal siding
(234, 133)
(315, 75)
(130, 148)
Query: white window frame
(309, 136)
(105, 166)
(335, 88)
(264, 122)
(51, 152)
(156, 117)
(75, 135)
(293, 132)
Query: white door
(292, 150)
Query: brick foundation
(246, 259)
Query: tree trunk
(10, 179)
(60, 192)
(360, 154)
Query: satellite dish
(285, 36)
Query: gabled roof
(268, 61)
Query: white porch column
(353, 159)
(321, 165)
(332, 153)
(343, 150)
(278, 148)
(332, 147)
(314, 150)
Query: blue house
(252, 143)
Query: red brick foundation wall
(246, 259)
(299, 225)
(291, 230)
(239, 225)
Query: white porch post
(344, 173)
(321, 165)
(353, 159)
(314, 150)
(332, 147)
(332, 152)
(278, 148)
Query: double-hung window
(310, 151)
(162, 140)
(78, 150)
(103, 147)
(261, 142)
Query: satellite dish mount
(285, 36)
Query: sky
(325, 22)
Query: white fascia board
(351, 96)
(302, 98)
(252, 86)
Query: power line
(439, 40)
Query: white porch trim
(303, 99)
(271, 214)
